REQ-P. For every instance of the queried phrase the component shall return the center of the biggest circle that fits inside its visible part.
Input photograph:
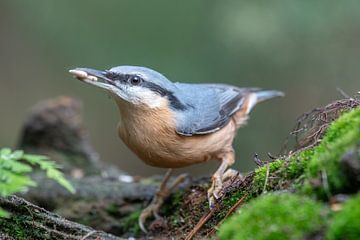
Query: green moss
(260, 172)
(21, 228)
(298, 163)
(231, 200)
(274, 217)
(299, 170)
(174, 202)
(286, 172)
(172, 209)
(345, 224)
(112, 209)
(342, 136)
(130, 223)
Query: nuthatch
(173, 125)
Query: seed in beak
(81, 75)
(93, 78)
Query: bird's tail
(264, 95)
(260, 96)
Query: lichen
(275, 217)
(345, 224)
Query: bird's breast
(151, 135)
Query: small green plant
(15, 167)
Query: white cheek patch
(251, 102)
(146, 96)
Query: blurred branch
(33, 222)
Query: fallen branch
(32, 222)
(201, 223)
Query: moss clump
(345, 224)
(282, 174)
(341, 137)
(21, 227)
(274, 217)
(260, 173)
(130, 223)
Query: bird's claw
(151, 210)
(158, 200)
(215, 192)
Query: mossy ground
(345, 223)
(343, 136)
(275, 217)
(310, 177)
(300, 173)
(288, 197)
(316, 172)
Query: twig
(201, 223)
(266, 176)
(228, 214)
(271, 156)
(325, 182)
(311, 125)
(233, 208)
(89, 234)
(342, 92)
(207, 216)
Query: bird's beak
(93, 77)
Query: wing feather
(212, 106)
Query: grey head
(198, 108)
(136, 85)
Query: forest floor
(306, 193)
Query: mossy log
(28, 221)
(101, 202)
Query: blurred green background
(305, 48)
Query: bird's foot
(216, 192)
(157, 202)
(152, 209)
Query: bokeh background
(304, 48)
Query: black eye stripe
(132, 79)
(135, 80)
(174, 101)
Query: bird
(173, 125)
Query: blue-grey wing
(210, 107)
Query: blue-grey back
(209, 106)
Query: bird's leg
(227, 159)
(159, 198)
(178, 180)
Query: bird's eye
(135, 80)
